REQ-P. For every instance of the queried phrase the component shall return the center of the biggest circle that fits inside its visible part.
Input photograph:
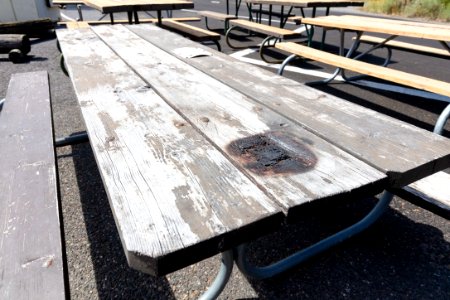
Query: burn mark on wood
(273, 153)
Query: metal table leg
(440, 123)
(222, 277)
(325, 244)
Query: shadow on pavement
(396, 258)
(114, 278)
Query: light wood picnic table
(302, 4)
(424, 30)
(133, 6)
(391, 29)
(200, 153)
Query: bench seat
(216, 16)
(194, 33)
(431, 193)
(31, 256)
(400, 77)
(410, 47)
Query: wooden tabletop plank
(309, 3)
(31, 260)
(404, 152)
(111, 6)
(293, 165)
(175, 198)
(381, 25)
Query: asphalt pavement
(405, 255)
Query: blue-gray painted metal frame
(222, 277)
(325, 244)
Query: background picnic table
(405, 255)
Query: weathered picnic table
(131, 7)
(200, 153)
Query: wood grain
(369, 24)
(197, 33)
(175, 198)
(405, 46)
(225, 116)
(216, 15)
(31, 265)
(408, 79)
(402, 151)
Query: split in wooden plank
(400, 152)
(31, 264)
(175, 198)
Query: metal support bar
(446, 46)
(237, 7)
(219, 48)
(324, 31)
(130, 17)
(159, 17)
(72, 139)
(222, 277)
(325, 244)
(111, 17)
(80, 13)
(1, 103)
(263, 45)
(440, 123)
(285, 63)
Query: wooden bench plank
(175, 201)
(67, 2)
(227, 117)
(412, 80)
(357, 129)
(216, 15)
(435, 32)
(431, 193)
(196, 33)
(266, 29)
(405, 46)
(311, 3)
(31, 264)
(76, 25)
